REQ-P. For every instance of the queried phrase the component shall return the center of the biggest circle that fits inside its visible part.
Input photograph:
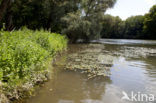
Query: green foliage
(131, 28)
(134, 27)
(45, 40)
(112, 27)
(36, 14)
(78, 19)
(85, 23)
(24, 52)
(150, 23)
(76, 27)
(28, 13)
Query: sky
(127, 8)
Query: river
(132, 71)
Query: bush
(44, 39)
(24, 52)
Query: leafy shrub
(44, 39)
(24, 51)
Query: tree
(76, 27)
(112, 27)
(150, 23)
(131, 28)
(58, 9)
(79, 19)
(88, 16)
(134, 27)
(29, 13)
(3, 7)
(47, 14)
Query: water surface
(133, 68)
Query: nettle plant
(24, 52)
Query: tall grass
(25, 52)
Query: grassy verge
(25, 56)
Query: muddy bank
(18, 94)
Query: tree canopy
(150, 23)
(111, 27)
(134, 27)
(85, 23)
(78, 19)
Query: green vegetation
(135, 27)
(91, 60)
(150, 23)
(78, 19)
(85, 23)
(25, 56)
(131, 28)
(114, 27)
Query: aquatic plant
(91, 60)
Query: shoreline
(31, 54)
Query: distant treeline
(135, 27)
(78, 19)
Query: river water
(132, 72)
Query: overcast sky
(127, 8)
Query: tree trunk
(9, 22)
(3, 8)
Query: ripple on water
(131, 67)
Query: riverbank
(25, 57)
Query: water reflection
(133, 69)
(72, 87)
